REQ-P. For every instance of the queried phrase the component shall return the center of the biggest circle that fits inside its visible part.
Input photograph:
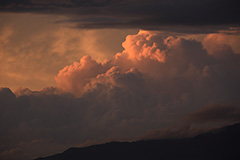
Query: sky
(82, 72)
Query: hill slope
(220, 144)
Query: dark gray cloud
(175, 15)
(200, 121)
(215, 112)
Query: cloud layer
(151, 84)
(192, 16)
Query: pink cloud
(74, 77)
(142, 45)
(185, 67)
(216, 45)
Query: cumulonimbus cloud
(166, 61)
(151, 84)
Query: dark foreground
(221, 144)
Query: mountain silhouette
(219, 144)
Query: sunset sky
(81, 72)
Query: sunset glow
(76, 73)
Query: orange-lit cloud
(74, 77)
(152, 53)
(141, 46)
(220, 43)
